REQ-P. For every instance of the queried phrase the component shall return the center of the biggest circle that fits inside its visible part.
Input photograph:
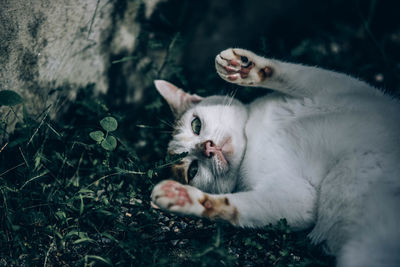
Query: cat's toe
(226, 70)
(237, 66)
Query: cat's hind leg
(375, 241)
(370, 250)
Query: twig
(7, 171)
(366, 22)
(4, 129)
(277, 260)
(122, 171)
(43, 112)
(23, 156)
(6, 214)
(113, 174)
(3, 147)
(170, 46)
(38, 205)
(102, 178)
(51, 247)
(169, 163)
(51, 128)
(40, 125)
(16, 115)
(34, 178)
(79, 164)
(123, 59)
(92, 21)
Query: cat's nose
(209, 148)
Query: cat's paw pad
(175, 197)
(242, 67)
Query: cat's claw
(242, 67)
(175, 197)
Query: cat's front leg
(247, 209)
(245, 68)
(188, 200)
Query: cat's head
(211, 131)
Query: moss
(28, 69)
(34, 25)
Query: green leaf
(84, 239)
(10, 98)
(109, 124)
(71, 234)
(97, 136)
(105, 212)
(18, 141)
(37, 161)
(15, 227)
(98, 258)
(57, 233)
(81, 206)
(110, 143)
(85, 191)
(61, 215)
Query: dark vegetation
(67, 200)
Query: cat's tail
(376, 241)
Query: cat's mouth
(221, 157)
(226, 146)
(222, 154)
(220, 164)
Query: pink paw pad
(233, 77)
(175, 190)
(234, 62)
(235, 73)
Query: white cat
(323, 151)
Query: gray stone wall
(51, 48)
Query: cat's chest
(276, 136)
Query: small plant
(107, 141)
(10, 98)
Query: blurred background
(360, 38)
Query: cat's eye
(196, 125)
(192, 171)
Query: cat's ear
(177, 99)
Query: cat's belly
(273, 140)
(305, 138)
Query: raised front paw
(173, 196)
(242, 67)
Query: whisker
(227, 102)
(167, 123)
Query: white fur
(323, 151)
